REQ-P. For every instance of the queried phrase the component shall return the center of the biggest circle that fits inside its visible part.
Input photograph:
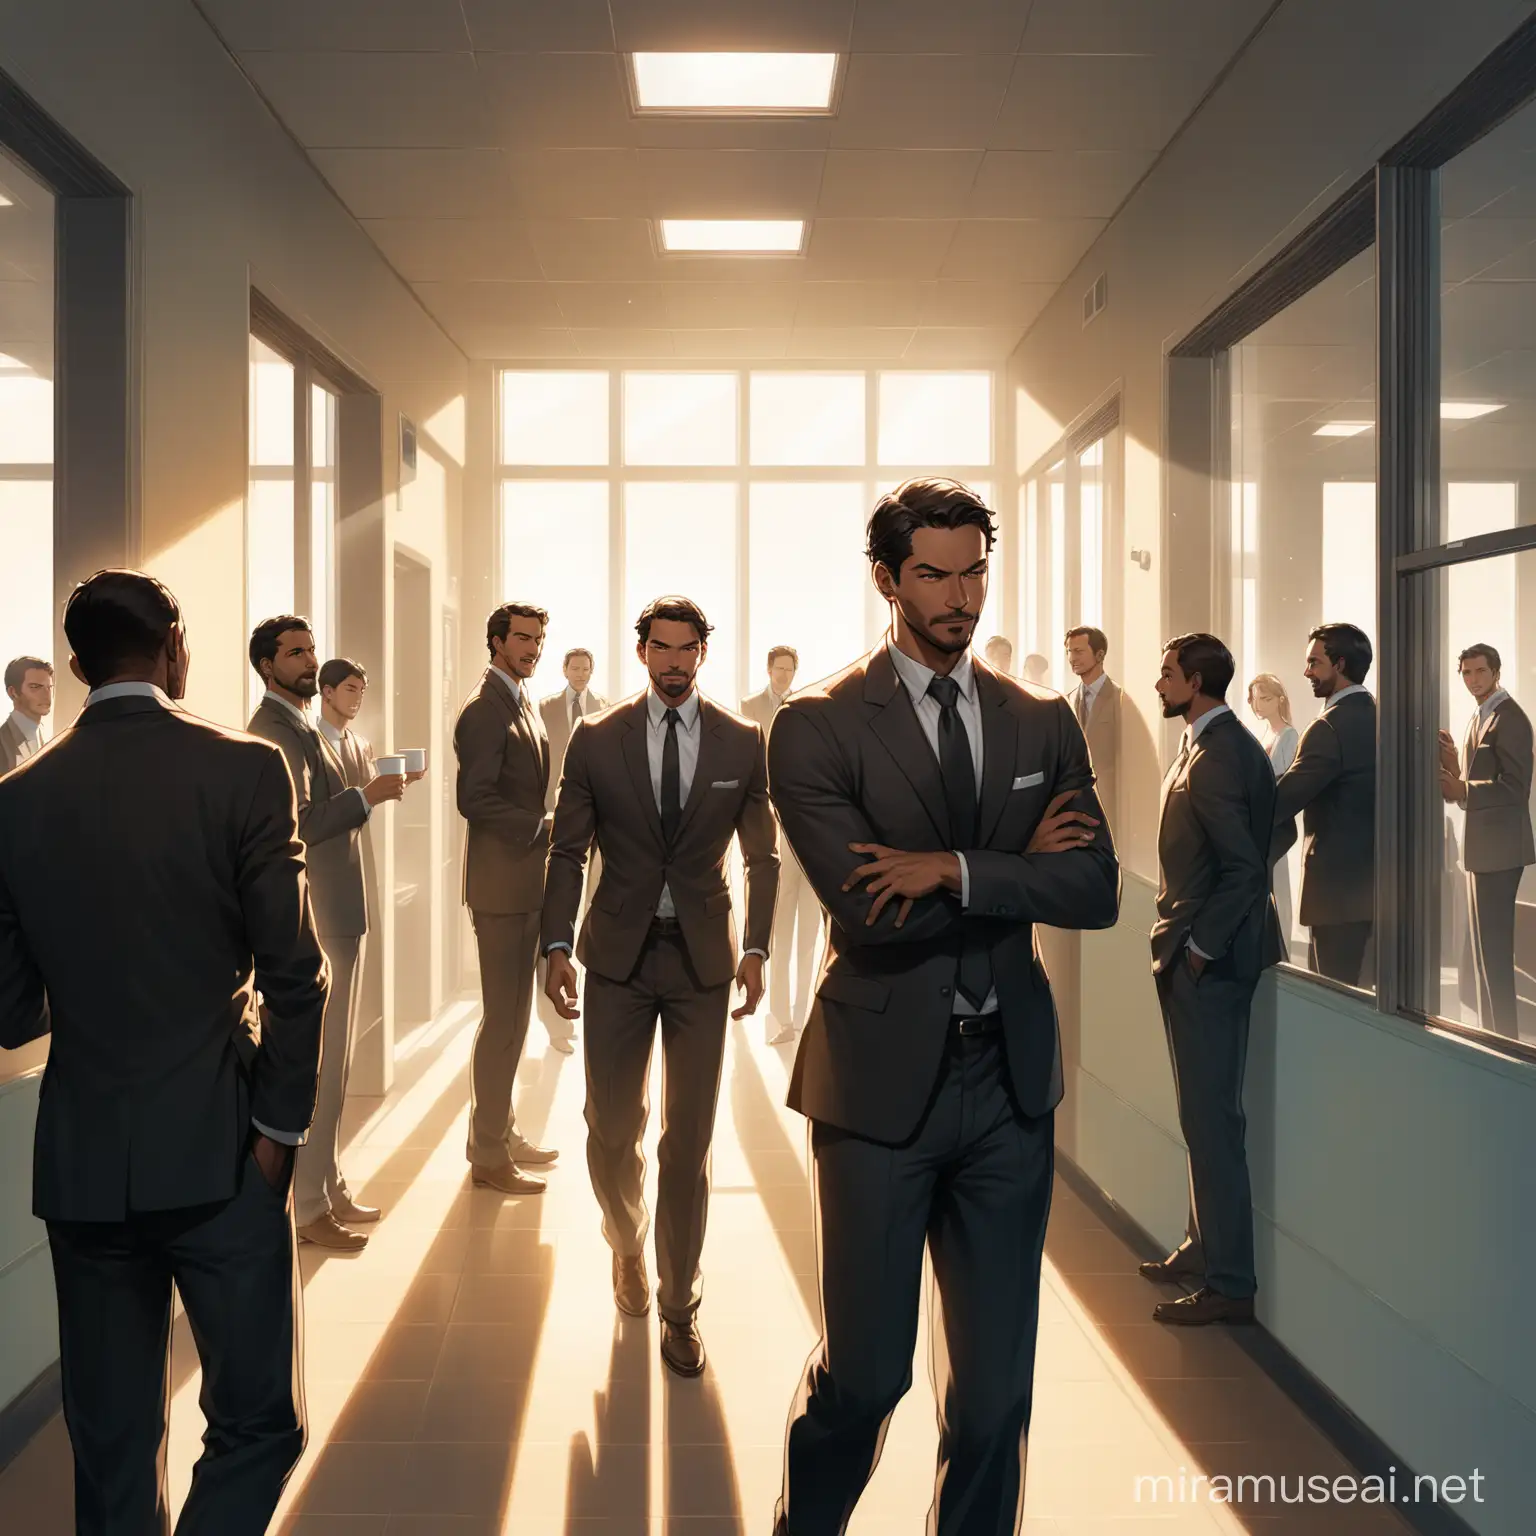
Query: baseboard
(25, 1415)
(1355, 1440)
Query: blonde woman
(1271, 705)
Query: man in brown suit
(1096, 703)
(29, 686)
(503, 758)
(661, 784)
(1492, 781)
(332, 817)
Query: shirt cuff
(367, 808)
(965, 881)
(549, 949)
(288, 1138)
(762, 954)
(1190, 941)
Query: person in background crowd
(1096, 703)
(1037, 670)
(1271, 706)
(29, 687)
(998, 652)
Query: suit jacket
(11, 743)
(503, 778)
(1213, 837)
(1332, 787)
(606, 796)
(848, 762)
(358, 769)
(1104, 742)
(1496, 760)
(151, 880)
(330, 818)
(557, 728)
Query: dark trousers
(1207, 1026)
(1491, 903)
(974, 1187)
(508, 946)
(1344, 952)
(621, 1019)
(233, 1264)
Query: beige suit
(13, 746)
(503, 758)
(1102, 728)
(797, 918)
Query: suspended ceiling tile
(883, 304)
(1140, 26)
(729, 183)
(339, 25)
(456, 250)
(1023, 250)
(594, 249)
(554, 100)
(874, 248)
(1055, 183)
(927, 26)
(921, 101)
(731, 346)
(600, 343)
(627, 306)
(732, 306)
(812, 26)
(903, 183)
(852, 344)
(1015, 305)
(576, 183)
(961, 346)
(420, 183)
(539, 26)
(516, 343)
(488, 304)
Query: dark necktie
(671, 781)
(577, 706)
(957, 768)
(1082, 708)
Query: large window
(747, 491)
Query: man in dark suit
(503, 758)
(151, 881)
(1332, 786)
(1215, 933)
(1492, 782)
(661, 784)
(331, 819)
(940, 810)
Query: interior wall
(1385, 1158)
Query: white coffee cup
(415, 759)
(390, 765)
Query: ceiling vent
(1095, 299)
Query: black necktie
(671, 781)
(578, 706)
(958, 770)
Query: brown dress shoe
(631, 1289)
(349, 1211)
(1181, 1264)
(682, 1350)
(327, 1232)
(1205, 1306)
(508, 1178)
(525, 1152)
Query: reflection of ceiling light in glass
(5, 202)
(1343, 428)
(734, 82)
(1468, 410)
(774, 236)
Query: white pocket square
(726, 784)
(1028, 780)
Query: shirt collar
(915, 677)
(656, 709)
(129, 691)
(572, 695)
(510, 682)
(30, 729)
(1193, 729)
(1343, 693)
(301, 715)
(1492, 702)
(331, 733)
(1092, 689)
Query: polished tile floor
(468, 1374)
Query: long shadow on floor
(700, 1477)
(609, 1477)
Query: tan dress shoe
(1181, 1264)
(533, 1157)
(682, 1350)
(327, 1232)
(631, 1288)
(1205, 1306)
(349, 1211)
(509, 1179)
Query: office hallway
(468, 1374)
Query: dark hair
(265, 636)
(1346, 646)
(682, 610)
(579, 650)
(499, 625)
(1097, 639)
(337, 670)
(117, 618)
(1206, 655)
(16, 671)
(921, 504)
(776, 651)
(1487, 652)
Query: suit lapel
(897, 726)
(999, 749)
(638, 763)
(709, 753)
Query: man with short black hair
(1332, 786)
(332, 817)
(503, 756)
(664, 782)
(1216, 932)
(1492, 781)
(29, 686)
(151, 884)
(1096, 703)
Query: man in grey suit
(797, 916)
(29, 687)
(1096, 703)
(1215, 933)
(1492, 782)
(560, 713)
(1332, 786)
(940, 810)
(503, 779)
(151, 882)
(661, 784)
(331, 819)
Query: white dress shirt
(1490, 704)
(687, 757)
(915, 678)
(302, 716)
(571, 696)
(331, 734)
(1091, 692)
(512, 684)
(1343, 693)
(31, 735)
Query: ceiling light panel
(1468, 410)
(777, 237)
(734, 82)
(1343, 428)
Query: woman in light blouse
(1270, 702)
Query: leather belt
(978, 1024)
(665, 927)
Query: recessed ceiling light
(5, 202)
(1468, 410)
(1343, 428)
(770, 236)
(734, 82)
